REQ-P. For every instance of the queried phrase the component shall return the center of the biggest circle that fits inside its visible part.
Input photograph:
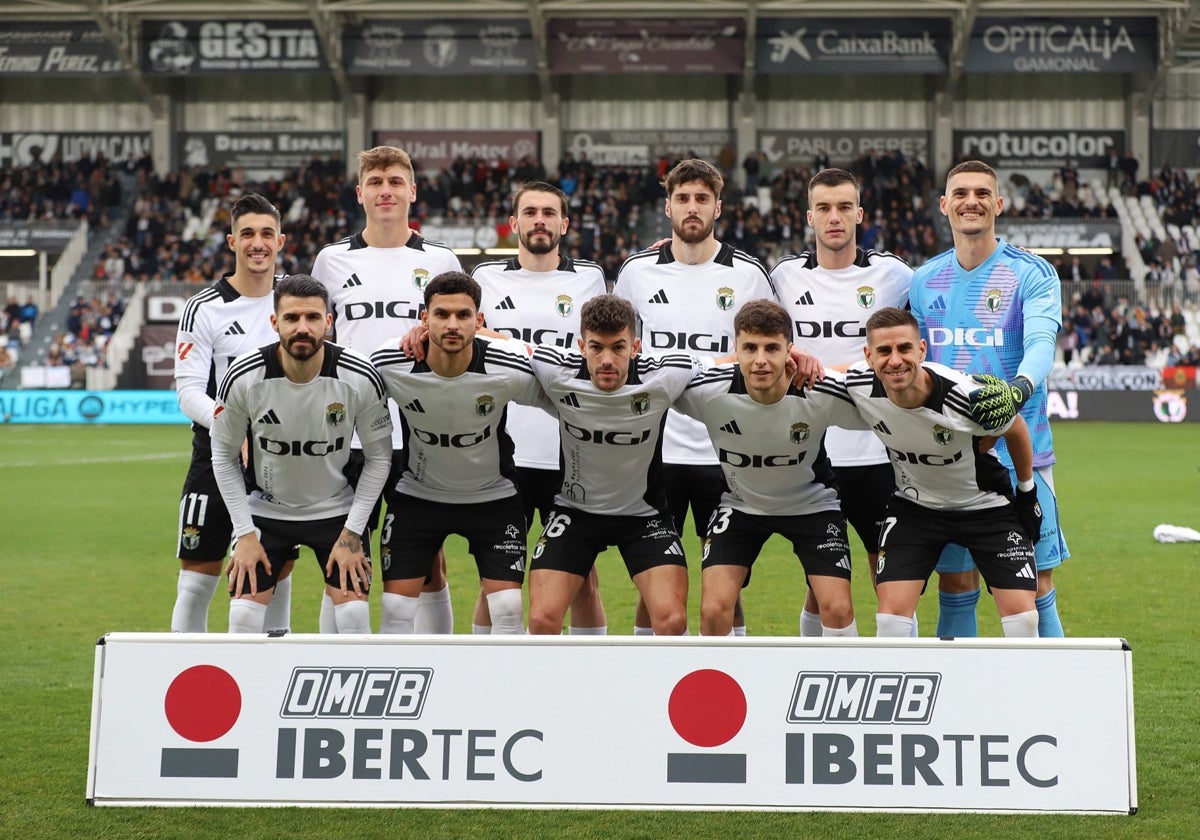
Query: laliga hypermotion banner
(777, 724)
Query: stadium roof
(118, 19)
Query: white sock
(506, 609)
(602, 630)
(353, 617)
(1021, 625)
(436, 614)
(279, 611)
(398, 613)
(246, 616)
(481, 629)
(895, 626)
(850, 629)
(643, 631)
(914, 632)
(327, 623)
(194, 592)
(738, 630)
(810, 623)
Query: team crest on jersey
(420, 278)
(798, 433)
(191, 538)
(866, 297)
(994, 299)
(725, 298)
(640, 403)
(943, 435)
(563, 305)
(335, 414)
(485, 405)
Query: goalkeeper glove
(1029, 512)
(996, 402)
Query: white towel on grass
(1175, 533)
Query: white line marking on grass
(75, 462)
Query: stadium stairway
(54, 321)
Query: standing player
(296, 402)
(611, 404)
(685, 294)
(951, 486)
(457, 474)
(231, 317)
(829, 293)
(988, 307)
(769, 440)
(536, 296)
(376, 279)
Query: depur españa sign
(613, 722)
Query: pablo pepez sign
(770, 724)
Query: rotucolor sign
(613, 722)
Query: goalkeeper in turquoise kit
(986, 307)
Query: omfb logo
(202, 704)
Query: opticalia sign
(612, 722)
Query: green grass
(87, 547)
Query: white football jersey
(689, 309)
(829, 310)
(537, 307)
(933, 448)
(456, 446)
(612, 440)
(772, 455)
(218, 325)
(377, 294)
(299, 433)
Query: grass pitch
(87, 535)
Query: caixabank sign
(613, 722)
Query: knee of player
(837, 612)
(671, 623)
(545, 623)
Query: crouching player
(951, 486)
(769, 437)
(296, 403)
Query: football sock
(353, 617)
(810, 623)
(602, 630)
(643, 631)
(398, 613)
(893, 626)
(850, 629)
(1049, 624)
(738, 630)
(279, 611)
(914, 632)
(436, 615)
(506, 609)
(481, 629)
(327, 623)
(194, 593)
(1020, 626)
(956, 614)
(246, 616)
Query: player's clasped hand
(1029, 511)
(247, 554)
(992, 404)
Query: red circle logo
(707, 708)
(203, 703)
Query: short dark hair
(538, 186)
(301, 285)
(891, 316)
(607, 314)
(454, 283)
(694, 169)
(972, 166)
(252, 203)
(833, 177)
(763, 317)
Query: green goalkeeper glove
(992, 405)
